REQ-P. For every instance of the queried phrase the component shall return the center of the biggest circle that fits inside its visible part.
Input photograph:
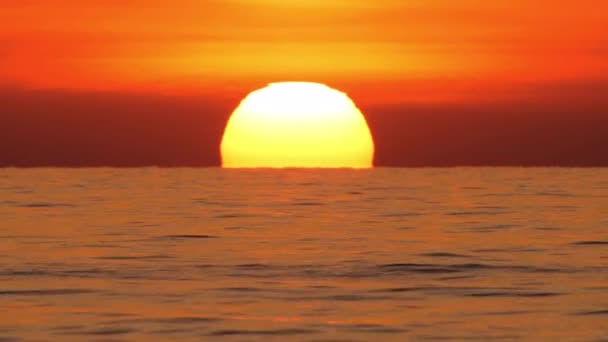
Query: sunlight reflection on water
(306, 255)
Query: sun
(297, 124)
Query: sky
(441, 82)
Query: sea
(385, 254)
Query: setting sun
(297, 124)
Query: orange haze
(384, 50)
(440, 82)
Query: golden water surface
(303, 255)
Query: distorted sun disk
(297, 124)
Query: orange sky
(382, 50)
(440, 82)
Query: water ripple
(46, 292)
(277, 332)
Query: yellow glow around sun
(297, 124)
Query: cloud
(561, 123)
(61, 128)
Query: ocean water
(157, 254)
